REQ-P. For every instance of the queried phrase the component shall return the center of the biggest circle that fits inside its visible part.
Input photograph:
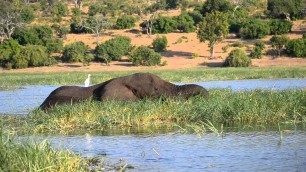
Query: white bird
(87, 81)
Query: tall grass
(16, 156)
(186, 75)
(223, 107)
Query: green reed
(18, 156)
(244, 108)
(182, 75)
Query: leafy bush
(26, 36)
(254, 29)
(113, 49)
(237, 20)
(125, 22)
(160, 43)
(36, 55)
(8, 49)
(279, 27)
(75, 52)
(278, 7)
(43, 32)
(76, 27)
(185, 23)
(144, 56)
(164, 24)
(297, 47)
(220, 5)
(196, 16)
(53, 45)
(237, 58)
(279, 42)
(60, 9)
(257, 51)
(27, 15)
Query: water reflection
(26, 98)
(254, 151)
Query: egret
(87, 81)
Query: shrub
(196, 16)
(185, 23)
(75, 52)
(36, 55)
(8, 49)
(43, 32)
(279, 27)
(164, 24)
(26, 36)
(254, 29)
(125, 22)
(160, 43)
(60, 9)
(76, 27)
(279, 42)
(113, 49)
(144, 56)
(296, 48)
(54, 45)
(257, 51)
(27, 15)
(237, 58)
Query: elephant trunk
(190, 90)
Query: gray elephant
(133, 87)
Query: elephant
(126, 88)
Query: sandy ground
(179, 55)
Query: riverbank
(183, 75)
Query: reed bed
(244, 108)
(17, 156)
(185, 75)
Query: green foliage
(185, 23)
(27, 15)
(144, 56)
(164, 24)
(210, 6)
(296, 47)
(160, 44)
(76, 12)
(278, 7)
(26, 36)
(9, 49)
(113, 49)
(35, 54)
(257, 51)
(254, 29)
(214, 28)
(125, 22)
(75, 52)
(279, 42)
(172, 4)
(76, 27)
(279, 27)
(61, 31)
(60, 9)
(54, 45)
(196, 16)
(237, 58)
(43, 32)
(237, 19)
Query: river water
(233, 151)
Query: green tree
(164, 24)
(257, 51)
(172, 4)
(278, 7)
(296, 47)
(27, 15)
(216, 5)
(214, 28)
(75, 52)
(279, 42)
(8, 49)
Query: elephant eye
(156, 89)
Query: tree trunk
(212, 51)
